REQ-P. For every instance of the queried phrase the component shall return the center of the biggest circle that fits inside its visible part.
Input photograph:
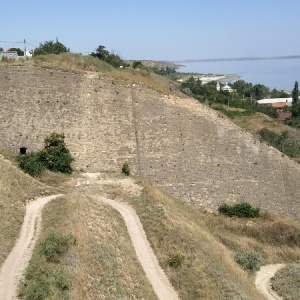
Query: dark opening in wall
(23, 150)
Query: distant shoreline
(235, 59)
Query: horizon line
(236, 58)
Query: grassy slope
(101, 264)
(16, 189)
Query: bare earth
(263, 280)
(18, 259)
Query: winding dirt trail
(144, 252)
(18, 259)
(263, 281)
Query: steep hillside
(179, 144)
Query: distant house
(228, 88)
(276, 102)
(9, 54)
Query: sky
(158, 29)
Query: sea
(273, 73)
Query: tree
(111, 58)
(1, 49)
(55, 156)
(101, 53)
(135, 64)
(19, 51)
(295, 101)
(50, 47)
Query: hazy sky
(157, 29)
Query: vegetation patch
(126, 169)
(286, 282)
(283, 142)
(54, 157)
(240, 210)
(55, 245)
(250, 260)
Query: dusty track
(15, 264)
(263, 278)
(144, 252)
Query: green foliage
(175, 260)
(31, 163)
(111, 58)
(43, 279)
(55, 245)
(234, 113)
(50, 47)
(240, 210)
(296, 102)
(283, 142)
(126, 169)
(250, 260)
(245, 95)
(135, 64)
(19, 51)
(54, 157)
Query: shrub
(250, 260)
(125, 169)
(31, 163)
(54, 245)
(175, 260)
(241, 210)
(55, 156)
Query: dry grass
(86, 64)
(208, 270)
(286, 282)
(102, 264)
(16, 188)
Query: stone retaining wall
(179, 144)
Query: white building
(271, 101)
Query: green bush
(54, 157)
(31, 163)
(250, 260)
(55, 245)
(241, 210)
(175, 260)
(125, 169)
(44, 281)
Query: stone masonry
(187, 149)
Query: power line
(12, 42)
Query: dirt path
(144, 252)
(18, 259)
(263, 281)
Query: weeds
(125, 169)
(55, 245)
(286, 282)
(250, 260)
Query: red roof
(279, 104)
(284, 115)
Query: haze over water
(273, 73)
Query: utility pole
(24, 48)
